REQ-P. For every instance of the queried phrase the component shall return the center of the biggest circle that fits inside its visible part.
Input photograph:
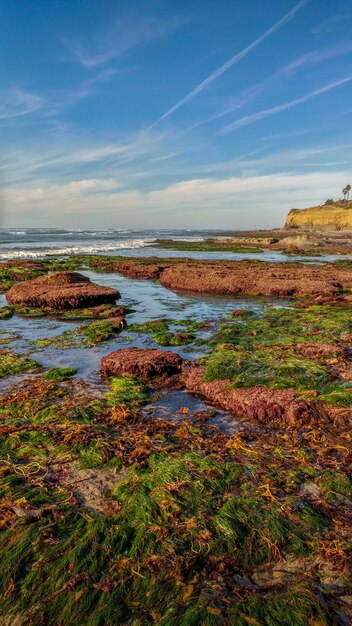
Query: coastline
(229, 453)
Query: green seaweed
(209, 245)
(173, 339)
(6, 312)
(12, 363)
(338, 393)
(150, 327)
(267, 367)
(128, 391)
(192, 516)
(60, 373)
(335, 487)
(102, 330)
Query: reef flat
(114, 510)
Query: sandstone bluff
(334, 216)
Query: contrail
(249, 119)
(235, 59)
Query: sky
(172, 114)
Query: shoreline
(232, 466)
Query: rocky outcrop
(276, 407)
(144, 363)
(133, 268)
(149, 271)
(21, 269)
(61, 290)
(250, 279)
(325, 217)
(246, 278)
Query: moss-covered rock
(12, 363)
(60, 373)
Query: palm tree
(346, 192)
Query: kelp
(197, 519)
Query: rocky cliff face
(327, 217)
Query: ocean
(36, 243)
(39, 242)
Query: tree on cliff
(346, 192)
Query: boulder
(275, 407)
(61, 290)
(145, 363)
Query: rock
(325, 282)
(299, 241)
(145, 363)
(281, 407)
(61, 290)
(24, 265)
(280, 573)
(135, 269)
(92, 488)
(248, 278)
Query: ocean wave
(73, 249)
(17, 232)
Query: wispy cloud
(15, 103)
(326, 26)
(84, 89)
(129, 157)
(260, 115)
(126, 34)
(235, 59)
(300, 63)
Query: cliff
(337, 216)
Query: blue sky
(168, 114)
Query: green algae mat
(106, 514)
(110, 517)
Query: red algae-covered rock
(321, 283)
(275, 279)
(23, 264)
(281, 407)
(61, 290)
(20, 269)
(143, 363)
(150, 271)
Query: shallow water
(178, 405)
(149, 300)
